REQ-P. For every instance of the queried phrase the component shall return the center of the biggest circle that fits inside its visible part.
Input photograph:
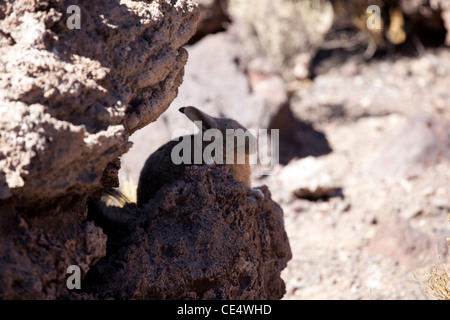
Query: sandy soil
(381, 236)
(380, 233)
(336, 253)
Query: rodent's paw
(255, 193)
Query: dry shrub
(286, 32)
(437, 282)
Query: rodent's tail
(115, 196)
(109, 211)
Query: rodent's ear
(194, 114)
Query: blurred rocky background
(364, 120)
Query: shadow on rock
(297, 139)
(201, 237)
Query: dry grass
(437, 282)
(286, 32)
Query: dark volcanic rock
(213, 18)
(70, 98)
(35, 252)
(199, 238)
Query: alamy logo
(374, 21)
(74, 21)
(235, 146)
(73, 281)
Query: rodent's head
(222, 124)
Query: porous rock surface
(36, 252)
(69, 99)
(201, 237)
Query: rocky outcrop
(69, 100)
(35, 252)
(71, 97)
(213, 18)
(201, 237)
(307, 178)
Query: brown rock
(308, 178)
(70, 98)
(423, 142)
(35, 252)
(395, 238)
(199, 238)
(213, 18)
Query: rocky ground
(374, 233)
(364, 149)
(370, 243)
(380, 235)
